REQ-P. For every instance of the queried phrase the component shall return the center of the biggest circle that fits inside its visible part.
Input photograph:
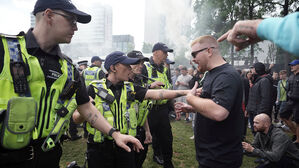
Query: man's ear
(112, 68)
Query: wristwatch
(112, 130)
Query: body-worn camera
(103, 94)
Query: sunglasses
(71, 19)
(198, 51)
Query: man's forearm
(94, 117)
(159, 94)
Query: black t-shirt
(218, 144)
(116, 89)
(50, 65)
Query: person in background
(158, 117)
(218, 106)
(283, 32)
(245, 84)
(292, 107)
(143, 132)
(174, 77)
(281, 100)
(260, 94)
(82, 65)
(190, 71)
(275, 78)
(182, 83)
(272, 145)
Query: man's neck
(43, 40)
(112, 78)
(216, 62)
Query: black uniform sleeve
(1, 56)
(102, 74)
(140, 92)
(144, 72)
(81, 94)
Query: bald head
(264, 118)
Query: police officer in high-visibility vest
(158, 117)
(143, 131)
(118, 101)
(37, 85)
(94, 71)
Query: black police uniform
(32, 155)
(107, 154)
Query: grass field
(183, 149)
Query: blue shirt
(284, 32)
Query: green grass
(183, 149)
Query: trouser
(161, 133)
(140, 156)
(108, 155)
(73, 128)
(31, 156)
(284, 162)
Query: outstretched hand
(245, 28)
(122, 140)
(157, 85)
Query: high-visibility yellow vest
(120, 115)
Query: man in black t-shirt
(219, 119)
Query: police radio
(103, 94)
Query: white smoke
(178, 18)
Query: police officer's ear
(47, 15)
(112, 68)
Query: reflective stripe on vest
(120, 115)
(46, 99)
(90, 74)
(162, 77)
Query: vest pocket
(19, 121)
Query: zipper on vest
(42, 94)
(50, 106)
(121, 115)
(44, 113)
(116, 117)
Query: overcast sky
(128, 16)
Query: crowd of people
(126, 101)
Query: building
(123, 43)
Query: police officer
(82, 65)
(39, 83)
(119, 103)
(158, 117)
(94, 72)
(143, 132)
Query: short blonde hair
(205, 39)
(282, 72)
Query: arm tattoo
(93, 120)
(161, 95)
